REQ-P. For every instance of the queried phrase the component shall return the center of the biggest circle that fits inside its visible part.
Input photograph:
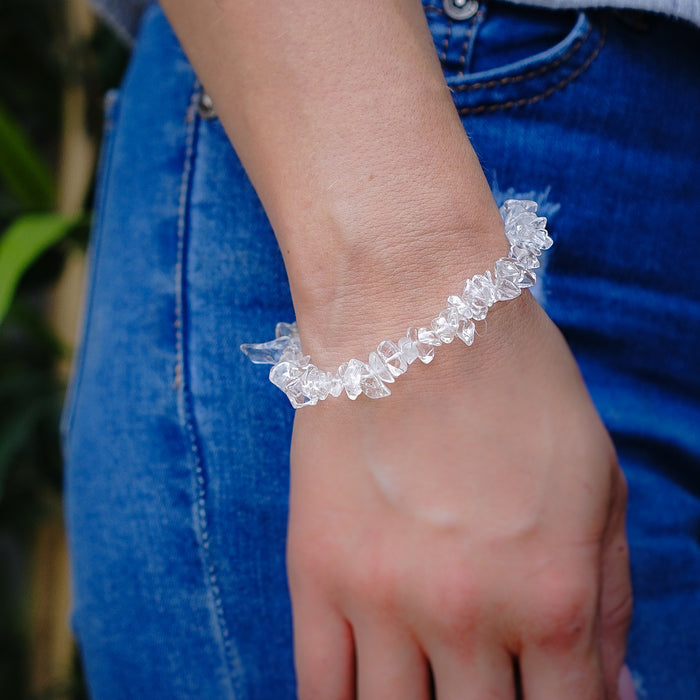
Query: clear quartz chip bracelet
(305, 384)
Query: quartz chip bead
(424, 349)
(427, 336)
(525, 257)
(315, 383)
(372, 386)
(484, 288)
(283, 373)
(506, 290)
(457, 304)
(508, 269)
(393, 357)
(466, 332)
(352, 378)
(335, 383)
(408, 350)
(509, 273)
(283, 329)
(528, 279)
(266, 353)
(380, 368)
(478, 308)
(446, 324)
(297, 395)
(515, 211)
(511, 206)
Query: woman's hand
(463, 533)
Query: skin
(473, 521)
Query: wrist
(368, 283)
(305, 382)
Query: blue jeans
(177, 447)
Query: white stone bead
(352, 378)
(283, 329)
(408, 350)
(506, 289)
(508, 269)
(372, 385)
(446, 323)
(380, 368)
(335, 384)
(315, 383)
(296, 395)
(428, 336)
(457, 304)
(528, 279)
(524, 257)
(478, 307)
(466, 332)
(425, 352)
(392, 355)
(266, 353)
(283, 373)
(484, 288)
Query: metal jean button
(206, 106)
(460, 9)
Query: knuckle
(564, 613)
(307, 560)
(374, 584)
(452, 601)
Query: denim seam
(537, 72)
(467, 40)
(200, 520)
(446, 40)
(481, 109)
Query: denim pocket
(111, 116)
(512, 56)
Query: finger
(390, 664)
(560, 647)
(550, 675)
(323, 650)
(616, 594)
(470, 676)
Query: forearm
(342, 119)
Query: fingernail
(625, 685)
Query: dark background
(56, 61)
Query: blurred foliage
(36, 63)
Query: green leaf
(22, 243)
(22, 168)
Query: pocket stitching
(536, 73)
(481, 109)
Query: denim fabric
(177, 447)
